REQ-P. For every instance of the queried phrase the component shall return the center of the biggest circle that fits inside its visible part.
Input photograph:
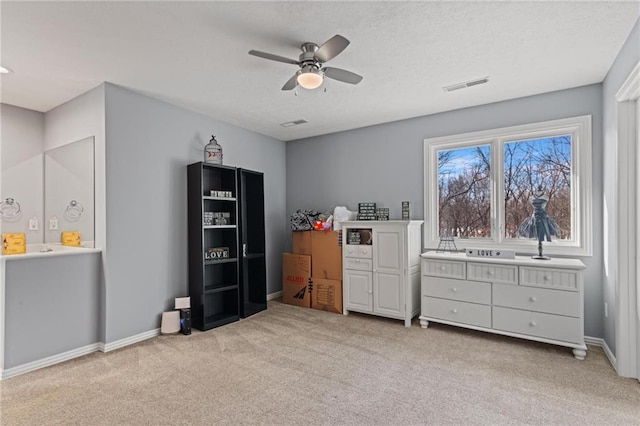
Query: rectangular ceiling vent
(466, 84)
(293, 123)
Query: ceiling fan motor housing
(307, 58)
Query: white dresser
(381, 271)
(540, 300)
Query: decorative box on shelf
(216, 218)
(366, 211)
(491, 253)
(221, 194)
(216, 253)
(382, 213)
(15, 243)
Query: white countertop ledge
(47, 250)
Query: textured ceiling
(194, 55)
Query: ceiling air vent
(466, 84)
(293, 123)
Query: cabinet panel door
(387, 249)
(388, 293)
(358, 289)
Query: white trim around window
(579, 128)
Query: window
(479, 186)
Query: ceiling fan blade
(331, 48)
(273, 57)
(292, 83)
(342, 75)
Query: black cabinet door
(253, 277)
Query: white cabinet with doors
(381, 268)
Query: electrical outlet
(606, 310)
(33, 224)
(53, 224)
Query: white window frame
(581, 185)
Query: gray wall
(625, 62)
(21, 168)
(384, 164)
(148, 146)
(51, 305)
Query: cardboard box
(296, 271)
(302, 242)
(326, 295)
(326, 255)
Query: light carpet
(296, 366)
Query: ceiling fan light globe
(310, 79)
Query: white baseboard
(596, 341)
(48, 361)
(275, 295)
(112, 346)
(75, 353)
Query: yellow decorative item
(71, 239)
(14, 244)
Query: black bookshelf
(213, 282)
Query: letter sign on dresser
(541, 300)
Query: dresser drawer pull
(489, 273)
(546, 277)
(532, 299)
(455, 311)
(532, 324)
(455, 290)
(357, 260)
(443, 268)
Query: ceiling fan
(312, 72)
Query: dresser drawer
(444, 268)
(462, 312)
(361, 251)
(507, 274)
(350, 250)
(556, 327)
(537, 299)
(365, 252)
(466, 291)
(565, 279)
(358, 264)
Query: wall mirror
(69, 192)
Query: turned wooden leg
(579, 354)
(424, 323)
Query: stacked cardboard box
(296, 272)
(322, 251)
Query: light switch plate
(53, 224)
(33, 224)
